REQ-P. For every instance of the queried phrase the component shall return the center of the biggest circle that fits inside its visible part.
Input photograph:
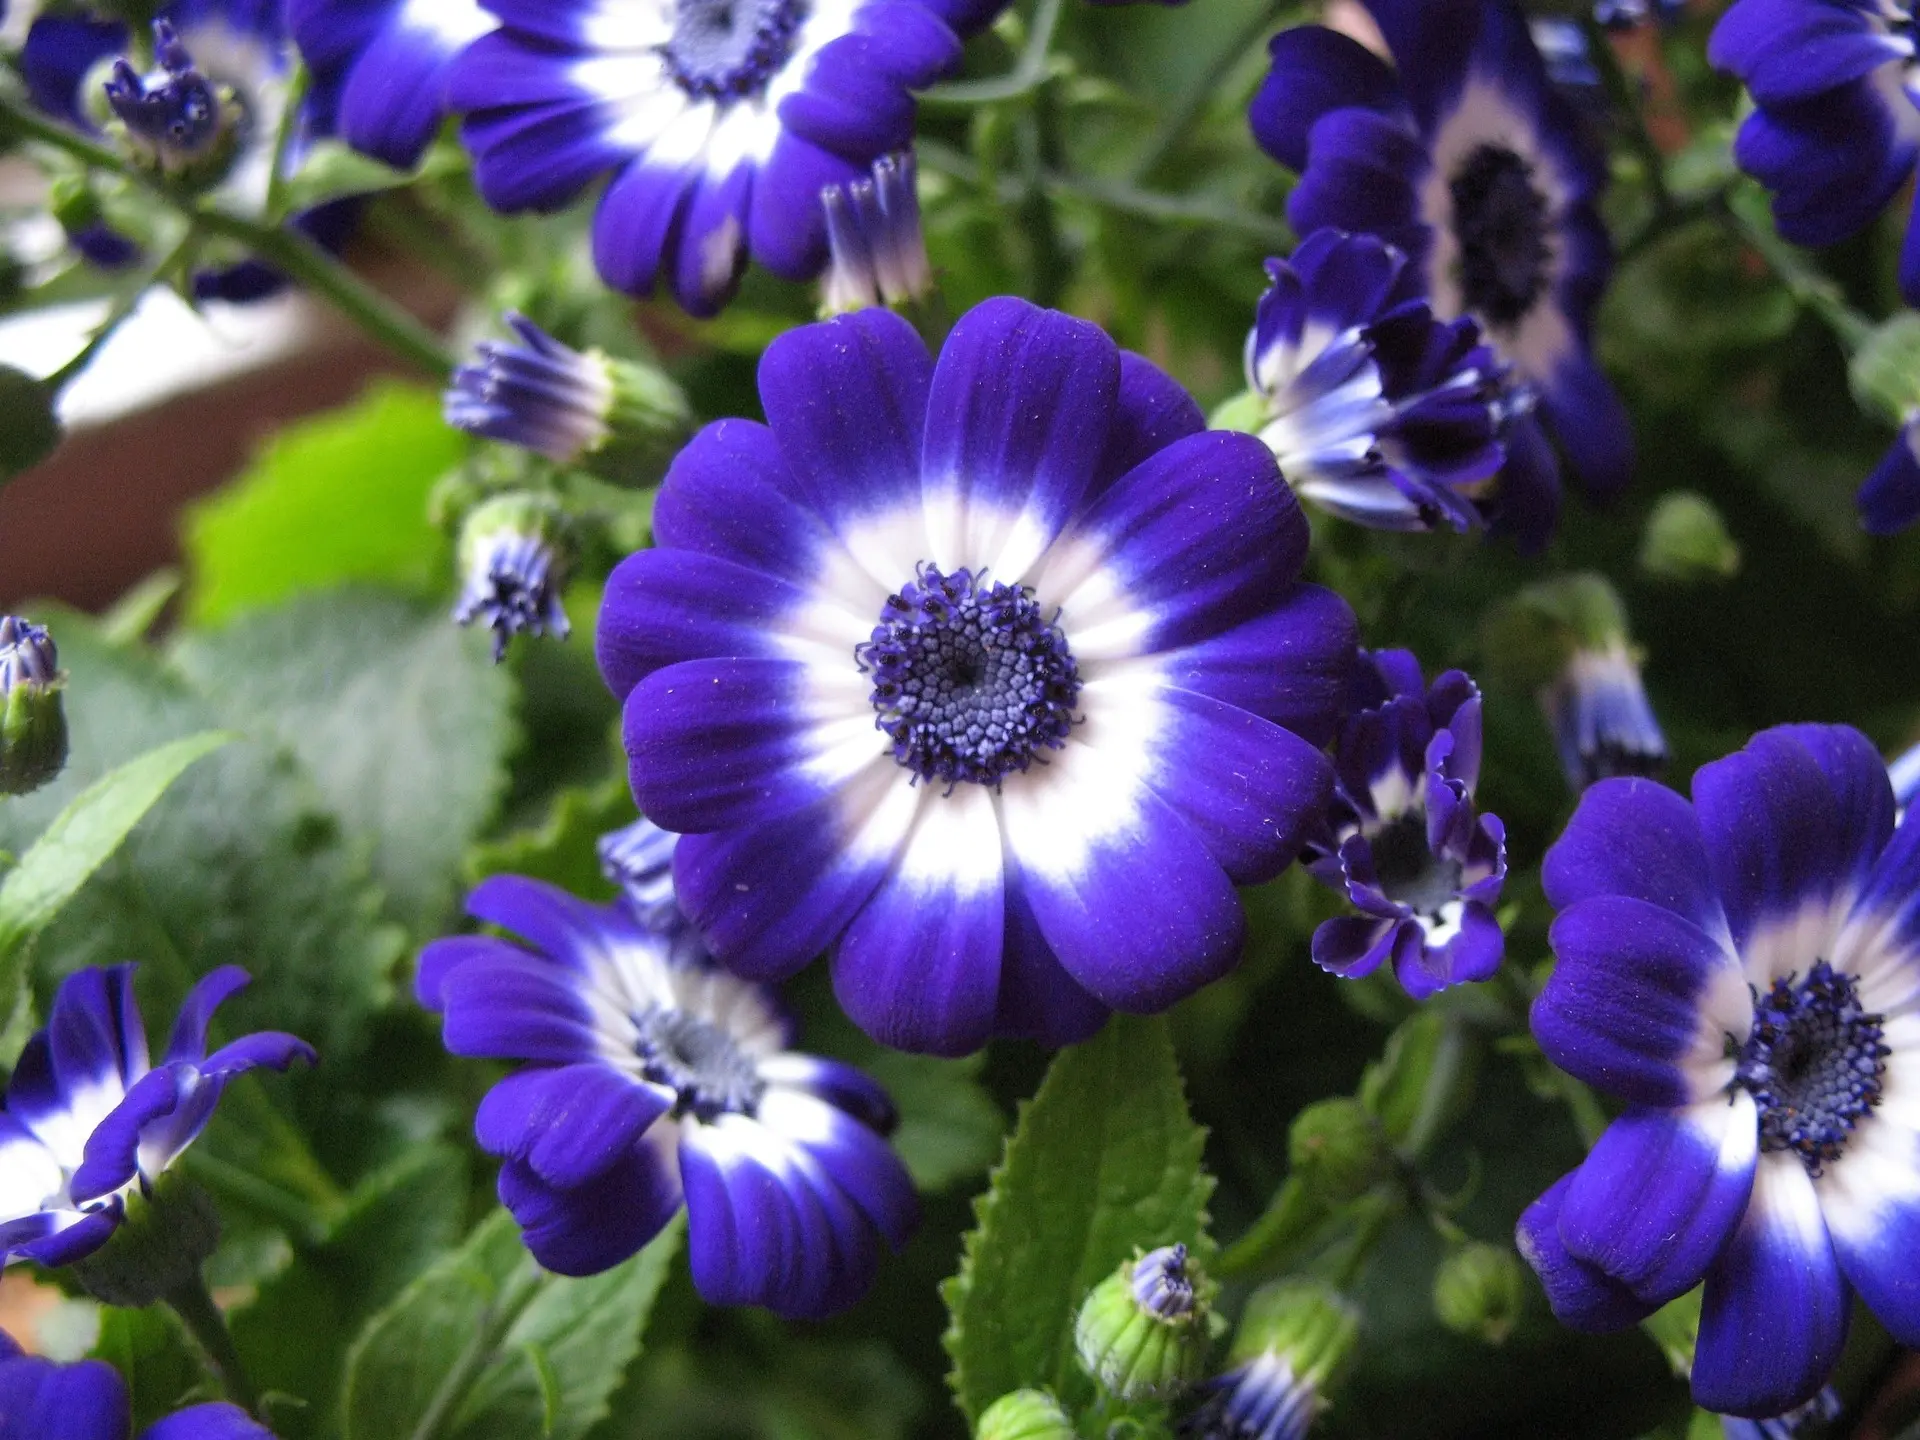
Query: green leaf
(466, 1334)
(1104, 1160)
(28, 428)
(399, 716)
(1423, 1081)
(564, 851)
(339, 498)
(150, 1351)
(950, 1129)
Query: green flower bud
(1478, 1291)
(1246, 412)
(1338, 1150)
(1305, 1323)
(33, 718)
(1024, 1415)
(1144, 1331)
(159, 1247)
(1687, 542)
(516, 553)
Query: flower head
(88, 1119)
(176, 121)
(514, 565)
(1377, 411)
(991, 676)
(1741, 971)
(1602, 721)
(653, 1080)
(639, 859)
(720, 122)
(41, 1400)
(1144, 1331)
(1403, 839)
(1465, 157)
(380, 67)
(1834, 133)
(879, 256)
(33, 717)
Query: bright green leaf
(950, 1129)
(1104, 1160)
(152, 1354)
(339, 498)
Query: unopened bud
(33, 717)
(515, 557)
(1024, 1415)
(1338, 1150)
(1479, 1291)
(1686, 541)
(175, 121)
(879, 254)
(1296, 1341)
(1144, 1331)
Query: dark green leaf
(151, 1353)
(28, 427)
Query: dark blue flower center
(1501, 223)
(699, 1061)
(730, 49)
(1407, 870)
(1813, 1064)
(970, 679)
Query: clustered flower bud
(1144, 1331)
(1337, 1149)
(33, 719)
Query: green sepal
(157, 1250)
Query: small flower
(1833, 133)
(1403, 839)
(651, 1082)
(176, 121)
(380, 69)
(1144, 1331)
(41, 1400)
(991, 676)
(1602, 722)
(1740, 970)
(88, 1120)
(1466, 158)
(515, 563)
(879, 255)
(1377, 412)
(1295, 1341)
(575, 408)
(1024, 1415)
(33, 717)
(639, 859)
(720, 122)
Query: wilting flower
(88, 1118)
(651, 1081)
(1741, 971)
(1377, 411)
(380, 67)
(1835, 133)
(514, 564)
(992, 677)
(233, 54)
(1403, 840)
(720, 122)
(40, 1400)
(878, 255)
(1466, 158)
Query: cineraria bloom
(991, 677)
(232, 52)
(1403, 840)
(380, 67)
(1889, 501)
(720, 122)
(1378, 412)
(87, 1116)
(878, 253)
(1603, 725)
(651, 1080)
(1743, 972)
(1465, 156)
(1835, 132)
(40, 1400)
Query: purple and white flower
(1403, 840)
(718, 121)
(41, 1400)
(1603, 724)
(992, 677)
(1743, 972)
(380, 67)
(1463, 155)
(88, 1117)
(1376, 411)
(653, 1080)
(878, 252)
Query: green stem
(1028, 74)
(208, 1326)
(1277, 1236)
(123, 307)
(307, 1222)
(1180, 120)
(290, 119)
(1373, 1224)
(287, 250)
(1626, 100)
(519, 1292)
(1810, 285)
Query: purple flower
(380, 67)
(654, 1080)
(719, 121)
(1377, 411)
(1835, 132)
(1403, 840)
(1889, 501)
(1466, 158)
(87, 1116)
(1603, 724)
(1741, 971)
(990, 676)
(879, 255)
(40, 1400)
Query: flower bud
(515, 557)
(1687, 542)
(33, 718)
(879, 254)
(166, 1236)
(1143, 1333)
(1602, 722)
(1478, 1291)
(1295, 1342)
(1337, 1149)
(639, 859)
(175, 121)
(1024, 1415)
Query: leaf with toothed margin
(1105, 1160)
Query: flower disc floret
(731, 48)
(1814, 1064)
(1501, 220)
